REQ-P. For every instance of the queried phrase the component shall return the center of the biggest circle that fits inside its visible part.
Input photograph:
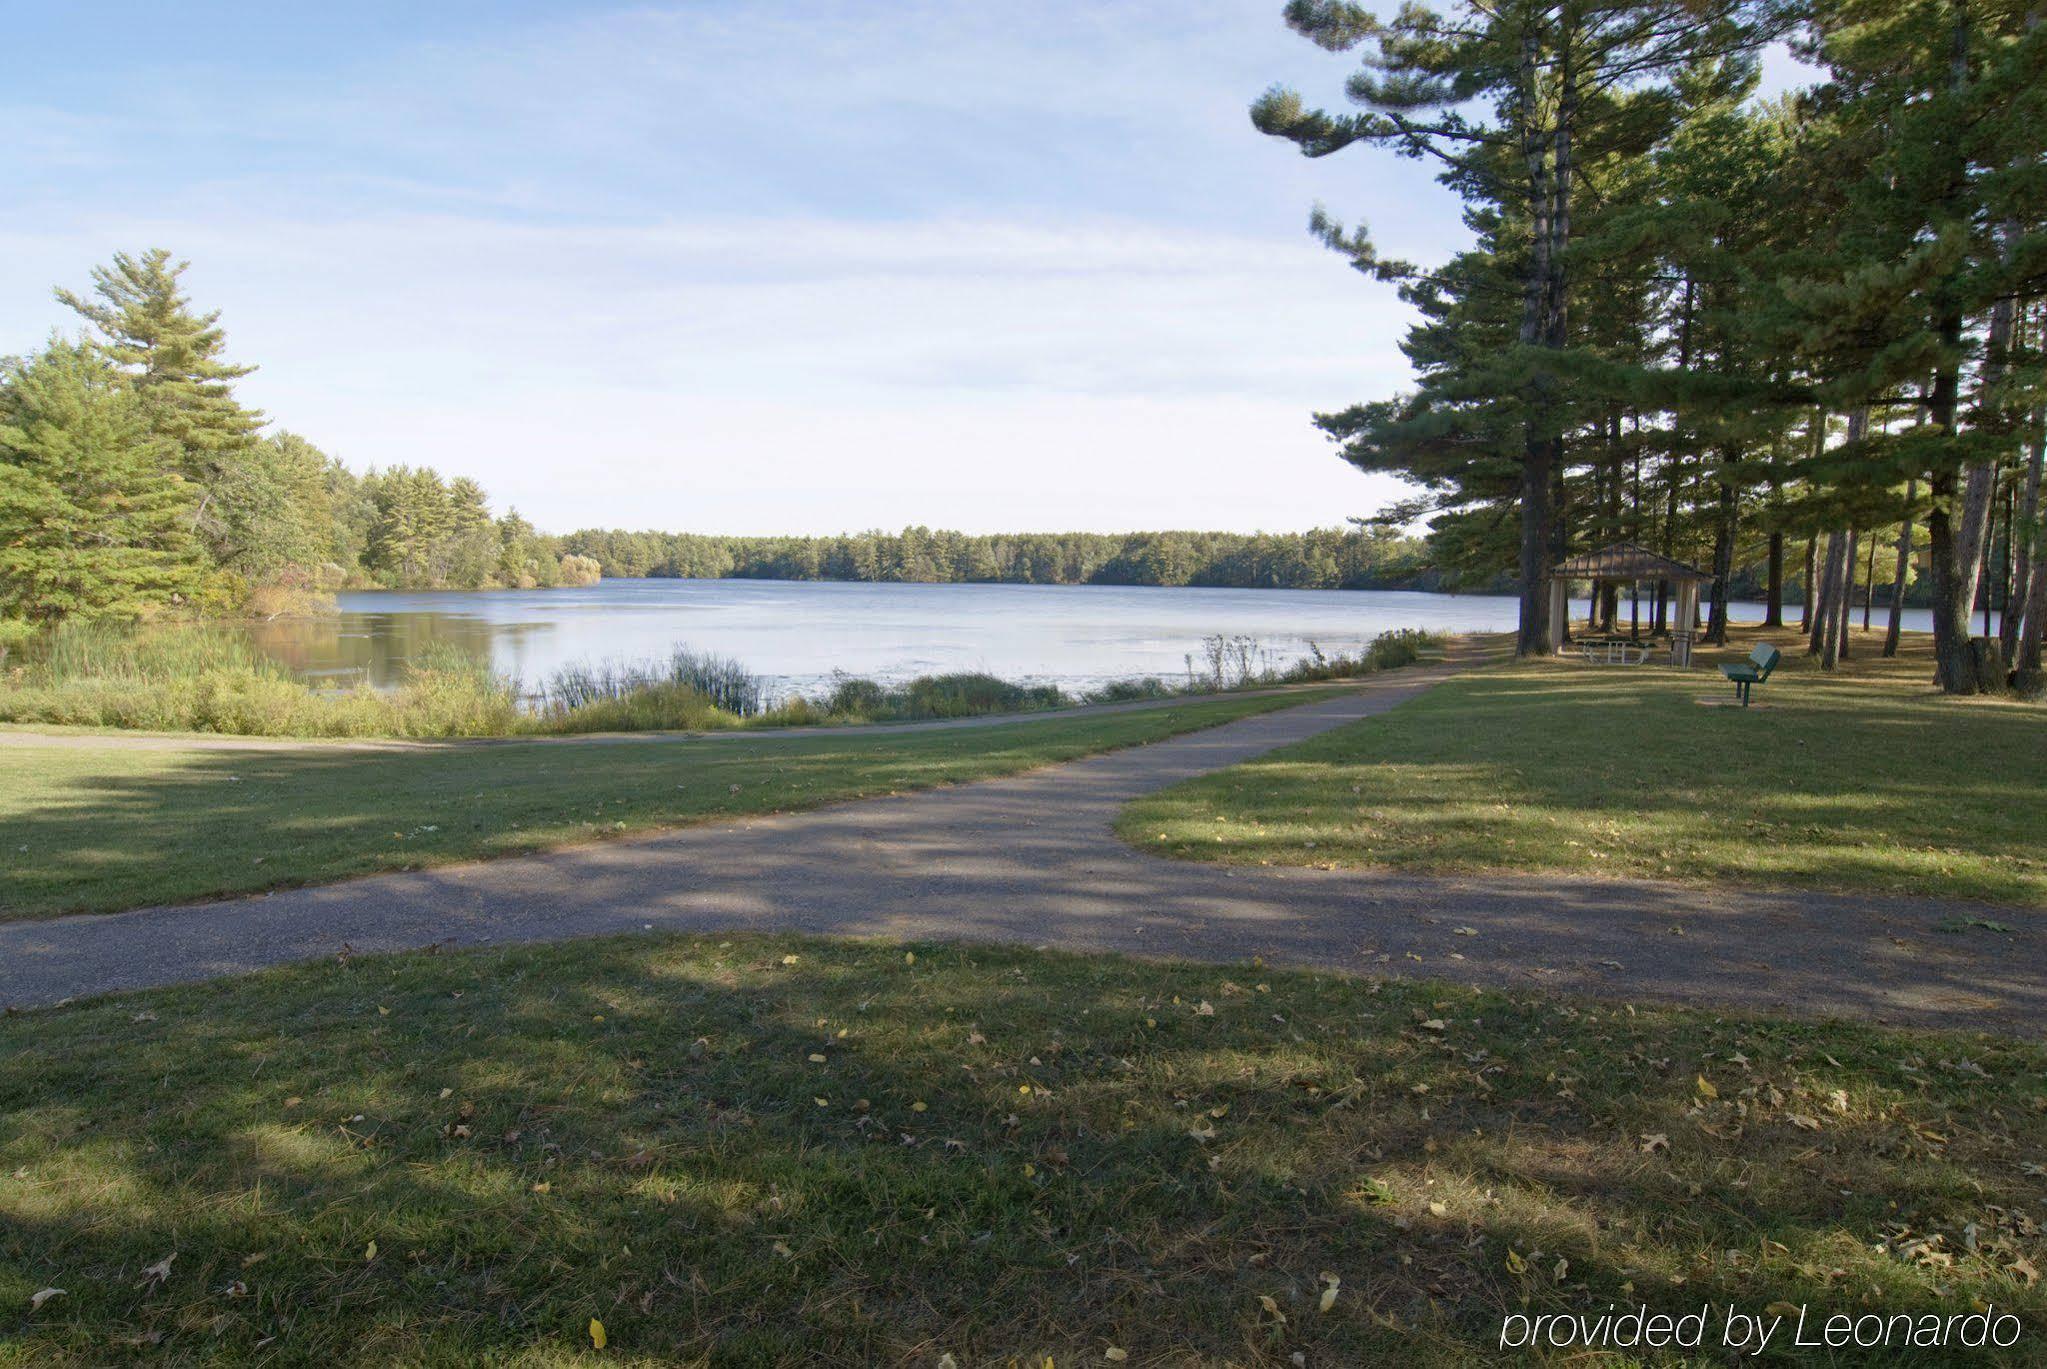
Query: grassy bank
(756, 1150)
(1864, 779)
(211, 679)
(87, 827)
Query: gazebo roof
(1626, 561)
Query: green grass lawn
(1863, 780)
(773, 1150)
(98, 828)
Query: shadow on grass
(769, 1149)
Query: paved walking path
(1031, 859)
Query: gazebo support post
(1559, 605)
(1683, 625)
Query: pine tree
(174, 358)
(1517, 102)
(91, 526)
(1935, 109)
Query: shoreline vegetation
(212, 679)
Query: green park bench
(1746, 675)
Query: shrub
(450, 693)
(578, 570)
(724, 683)
(795, 711)
(1129, 691)
(1401, 647)
(962, 695)
(856, 697)
(1387, 651)
(969, 693)
(294, 594)
(14, 634)
(663, 706)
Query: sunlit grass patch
(771, 1148)
(1861, 780)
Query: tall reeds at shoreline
(723, 681)
(214, 679)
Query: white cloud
(752, 270)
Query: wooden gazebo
(1626, 563)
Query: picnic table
(1615, 650)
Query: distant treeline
(1327, 558)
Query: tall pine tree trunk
(1560, 526)
(1954, 668)
(1535, 521)
(1974, 529)
(1537, 451)
(1609, 606)
(1950, 541)
(1895, 628)
(2028, 677)
(2002, 584)
(1773, 593)
(1846, 604)
(1668, 546)
(2026, 542)
(1823, 615)
(1810, 585)
(1723, 563)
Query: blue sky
(736, 267)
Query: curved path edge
(1032, 859)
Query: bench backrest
(1764, 658)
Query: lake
(797, 634)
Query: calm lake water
(798, 633)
